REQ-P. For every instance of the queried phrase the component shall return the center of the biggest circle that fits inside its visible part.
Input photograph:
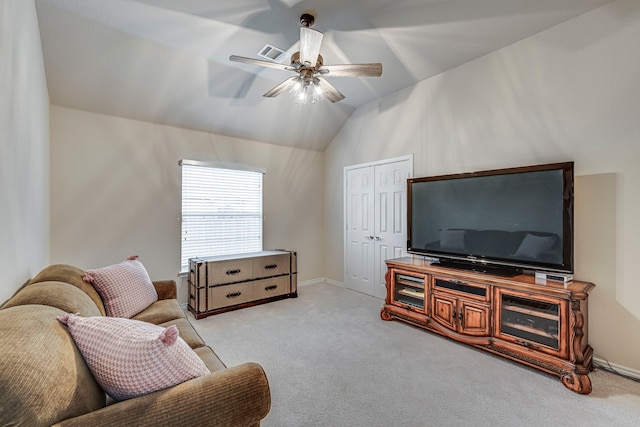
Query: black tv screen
(502, 220)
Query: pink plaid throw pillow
(125, 288)
(130, 358)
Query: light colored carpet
(331, 361)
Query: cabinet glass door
(534, 323)
(408, 290)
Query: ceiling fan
(309, 84)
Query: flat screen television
(496, 221)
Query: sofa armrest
(166, 289)
(237, 396)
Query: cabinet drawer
(457, 287)
(273, 265)
(225, 296)
(272, 287)
(229, 271)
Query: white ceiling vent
(274, 54)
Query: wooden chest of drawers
(229, 282)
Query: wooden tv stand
(540, 324)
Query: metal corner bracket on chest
(230, 282)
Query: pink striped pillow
(130, 358)
(125, 288)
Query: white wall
(115, 191)
(24, 148)
(569, 93)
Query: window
(221, 210)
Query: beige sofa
(45, 381)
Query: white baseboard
(320, 280)
(619, 369)
(334, 282)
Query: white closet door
(391, 218)
(360, 232)
(375, 219)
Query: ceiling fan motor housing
(295, 60)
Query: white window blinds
(221, 211)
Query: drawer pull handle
(271, 266)
(232, 272)
(270, 288)
(233, 294)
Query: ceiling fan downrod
(307, 20)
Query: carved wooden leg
(578, 380)
(579, 383)
(384, 314)
(387, 284)
(578, 333)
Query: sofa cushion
(160, 312)
(187, 332)
(210, 358)
(73, 276)
(64, 296)
(125, 288)
(130, 358)
(43, 377)
(166, 289)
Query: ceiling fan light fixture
(316, 86)
(298, 82)
(306, 91)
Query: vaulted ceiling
(167, 61)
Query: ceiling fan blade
(310, 41)
(352, 70)
(330, 92)
(280, 88)
(242, 59)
